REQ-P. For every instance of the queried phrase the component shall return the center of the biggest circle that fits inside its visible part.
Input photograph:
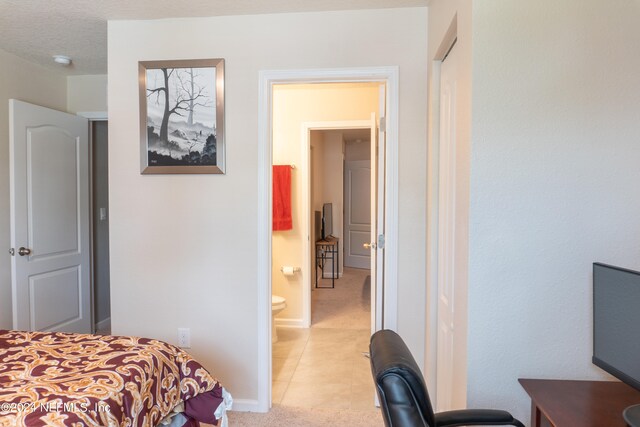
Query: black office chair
(404, 399)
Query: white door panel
(446, 338)
(378, 151)
(360, 180)
(55, 298)
(358, 240)
(357, 195)
(50, 218)
(52, 184)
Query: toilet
(277, 305)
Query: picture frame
(182, 116)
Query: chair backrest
(404, 399)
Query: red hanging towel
(282, 198)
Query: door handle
(369, 245)
(24, 251)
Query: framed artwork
(182, 116)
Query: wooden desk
(566, 403)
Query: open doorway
(318, 314)
(385, 311)
(340, 203)
(99, 194)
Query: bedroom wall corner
(554, 185)
(183, 248)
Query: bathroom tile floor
(325, 366)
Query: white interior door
(49, 219)
(377, 192)
(446, 327)
(357, 213)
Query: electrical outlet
(184, 337)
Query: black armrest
(404, 399)
(475, 417)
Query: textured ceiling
(38, 29)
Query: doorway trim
(267, 79)
(307, 127)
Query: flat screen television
(616, 322)
(327, 220)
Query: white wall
(87, 93)
(183, 248)
(293, 106)
(28, 82)
(554, 185)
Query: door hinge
(381, 241)
(383, 124)
(12, 252)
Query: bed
(63, 379)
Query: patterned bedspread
(60, 379)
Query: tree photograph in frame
(182, 116)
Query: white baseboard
(290, 323)
(104, 324)
(245, 405)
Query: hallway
(347, 306)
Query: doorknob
(369, 245)
(24, 251)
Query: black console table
(327, 249)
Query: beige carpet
(347, 306)
(283, 416)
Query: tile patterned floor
(324, 366)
